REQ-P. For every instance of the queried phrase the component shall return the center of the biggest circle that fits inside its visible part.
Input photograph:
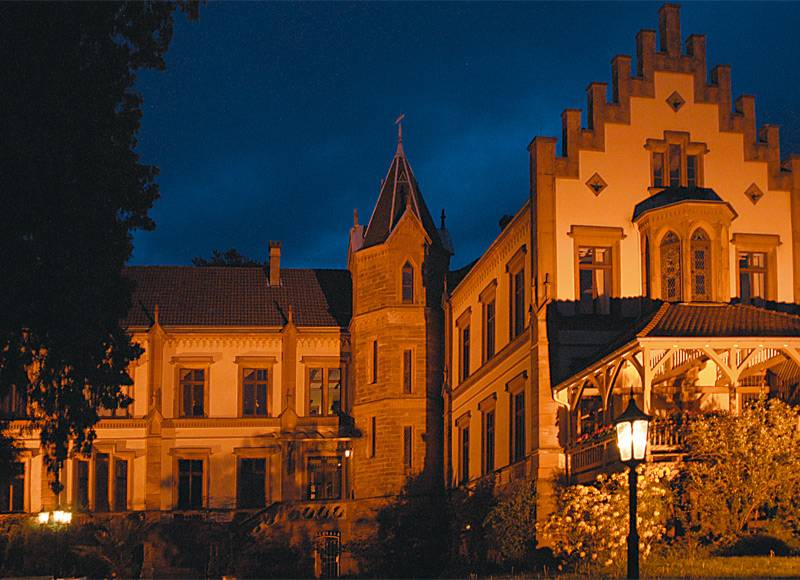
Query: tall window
(488, 441)
(674, 165)
(465, 340)
(324, 391)
(81, 489)
(692, 162)
(594, 269)
(14, 403)
(407, 443)
(12, 493)
(324, 478)
(252, 483)
(752, 275)
(408, 283)
(192, 390)
(374, 361)
(658, 169)
(373, 437)
(120, 486)
(671, 268)
(190, 484)
(518, 426)
(101, 473)
(700, 247)
(463, 453)
(517, 303)
(407, 371)
(489, 330)
(254, 393)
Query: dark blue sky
(274, 121)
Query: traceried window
(700, 247)
(671, 268)
(192, 391)
(252, 479)
(12, 492)
(594, 269)
(255, 402)
(324, 478)
(190, 484)
(408, 283)
(752, 275)
(324, 391)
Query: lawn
(726, 567)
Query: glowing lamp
(62, 517)
(632, 434)
(43, 517)
(632, 442)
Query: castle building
(657, 256)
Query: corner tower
(398, 265)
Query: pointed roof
(398, 190)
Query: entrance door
(330, 548)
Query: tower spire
(399, 123)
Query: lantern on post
(632, 428)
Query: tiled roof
(673, 195)
(723, 320)
(398, 189)
(227, 296)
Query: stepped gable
(738, 117)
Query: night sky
(275, 121)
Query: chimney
(274, 263)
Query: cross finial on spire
(399, 123)
(355, 217)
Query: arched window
(701, 265)
(408, 283)
(671, 268)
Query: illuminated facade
(656, 255)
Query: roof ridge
(769, 310)
(654, 321)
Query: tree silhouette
(230, 258)
(72, 190)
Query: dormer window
(408, 283)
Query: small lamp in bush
(632, 442)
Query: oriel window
(752, 275)
(671, 268)
(701, 268)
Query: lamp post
(632, 442)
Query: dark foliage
(230, 258)
(413, 535)
(72, 189)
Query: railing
(665, 433)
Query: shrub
(740, 469)
(590, 525)
(512, 523)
